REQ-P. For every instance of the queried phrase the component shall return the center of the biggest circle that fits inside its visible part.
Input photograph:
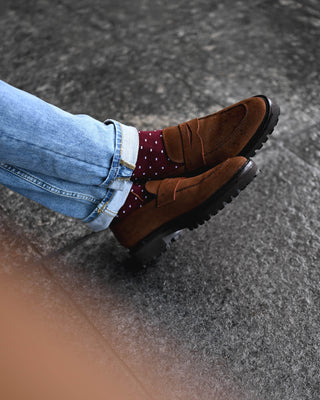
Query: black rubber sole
(150, 248)
(265, 129)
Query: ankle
(153, 161)
(137, 197)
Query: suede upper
(173, 198)
(207, 141)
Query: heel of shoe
(151, 247)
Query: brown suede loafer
(180, 203)
(204, 142)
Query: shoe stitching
(204, 179)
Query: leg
(72, 164)
(83, 168)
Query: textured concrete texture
(232, 309)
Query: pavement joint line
(70, 246)
(15, 229)
(290, 150)
(88, 21)
(303, 130)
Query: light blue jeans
(72, 164)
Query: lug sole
(153, 245)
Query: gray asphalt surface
(240, 295)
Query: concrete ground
(239, 297)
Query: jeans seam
(100, 209)
(115, 170)
(103, 208)
(109, 212)
(101, 217)
(46, 186)
(128, 165)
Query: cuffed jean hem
(120, 185)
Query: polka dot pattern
(153, 162)
(137, 197)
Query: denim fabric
(72, 164)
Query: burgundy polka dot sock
(137, 197)
(153, 162)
